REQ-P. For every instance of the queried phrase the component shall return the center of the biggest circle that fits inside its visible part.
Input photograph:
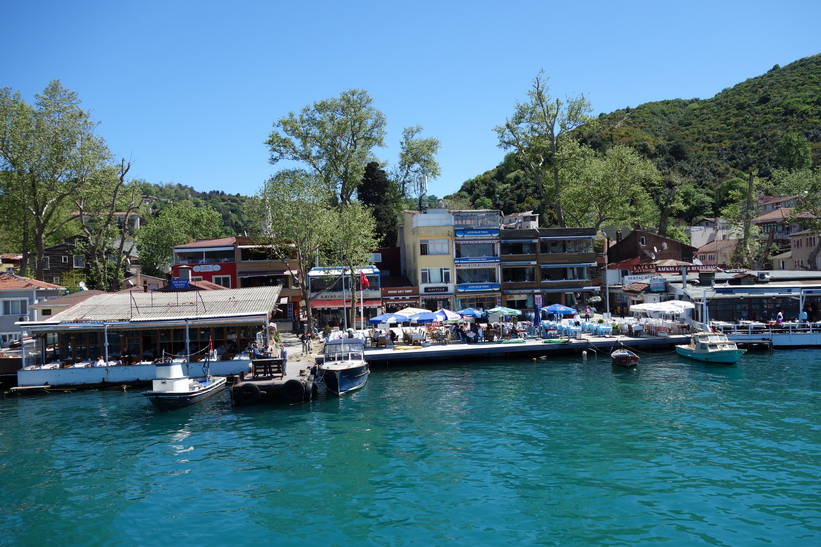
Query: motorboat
(711, 347)
(171, 389)
(624, 358)
(342, 366)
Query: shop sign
(436, 289)
(477, 287)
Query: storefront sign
(477, 287)
(436, 289)
(477, 233)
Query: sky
(189, 91)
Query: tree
(606, 188)
(334, 138)
(50, 153)
(356, 232)
(380, 194)
(793, 152)
(740, 213)
(536, 132)
(417, 161)
(175, 225)
(295, 217)
(107, 212)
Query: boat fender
(293, 391)
(248, 393)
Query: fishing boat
(122, 338)
(711, 347)
(172, 389)
(342, 366)
(624, 358)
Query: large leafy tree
(49, 154)
(175, 225)
(536, 131)
(295, 218)
(357, 236)
(609, 188)
(417, 162)
(107, 213)
(740, 213)
(334, 138)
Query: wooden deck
(272, 381)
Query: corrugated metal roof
(152, 306)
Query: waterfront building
(476, 258)
(17, 296)
(802, 245)
(547, 265)
(239, 262)
(331, 294)
(427, 246)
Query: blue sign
(477, 287)
(478, 233)
(179, 284)
(476, 259)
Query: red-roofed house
(16, 295)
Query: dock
(274, 381)
(522, 348)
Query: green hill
(708, 141)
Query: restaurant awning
(337, 304)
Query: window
(518, 275)
(46, 263)
(476, 275)
(196, 278)
(64, 259)
(15, 307)
(435, 275)
(475, 250)
(429, 247)
(79, 261)
(222, 280)
(642, 241)
(518, 248)
(56, 279)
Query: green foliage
(175, 225)
(334, 138)
(381, 195)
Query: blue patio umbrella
(387, 318)
(425, 317)
(559, 309)
(471, 312)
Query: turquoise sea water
(557, 452)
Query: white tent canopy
(676, 308)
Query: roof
(66, 301)
(175, 308)
(218, 242)
(9, 281)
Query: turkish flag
(363, 281)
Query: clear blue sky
(188, 91)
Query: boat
(711, 347)
(115, 339)
(172, 389)
(556, 341)
(624, 358)
(342, 366)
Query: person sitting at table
(100, 362)
(256, 353)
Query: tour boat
(342, 366)
(624, 357)
(711, 347)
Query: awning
(575, 265)
(337, 304)
(267, 273)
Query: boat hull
(723, 357)
(170, 400)
(625, 358)
(344, 380)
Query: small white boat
(171, 389)
(342, 364)
(711, 347)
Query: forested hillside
(703, 141)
